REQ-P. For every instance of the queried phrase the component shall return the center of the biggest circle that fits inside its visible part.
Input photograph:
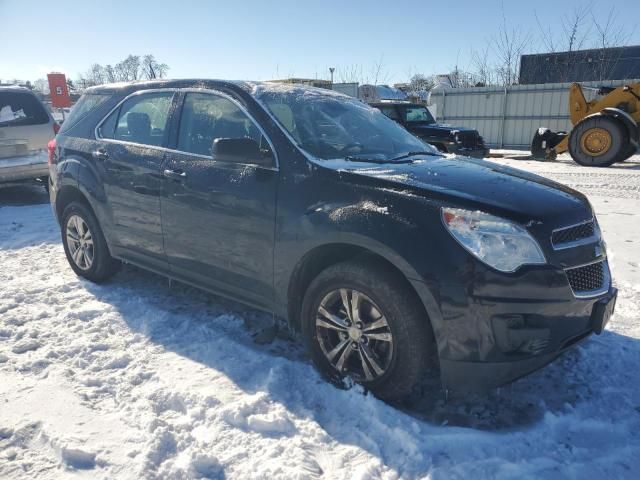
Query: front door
(219, 216)
(130, 157)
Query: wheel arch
(323, 256)
(68, 194)
(626, 119)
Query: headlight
(499, 243)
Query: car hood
(478, 184)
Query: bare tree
(379, 74)
(508, 46)
(151, 69)
(350, 74)
(420, 83)
(41, 85)
(609, 34)
(483, 70)
(110, 74)
(574, 34)
(376, 75)
(130, 69)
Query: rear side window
(140, 119)
(86, 104)
(21, 108)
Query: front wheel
(360, 320)
(597, 141)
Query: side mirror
(241, 150)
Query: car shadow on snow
(580, 376)
(27, 194)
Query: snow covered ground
(136, 379)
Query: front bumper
(477, 152)
(16, 169)
(522, 337)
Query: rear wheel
(361, 321)
(597, 141)
(84, 244)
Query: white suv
(26, 126)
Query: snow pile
(134, 379)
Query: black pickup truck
(418, 120)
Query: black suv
(418, 120)
(390, 258)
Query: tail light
(51, 149)
(56, 128)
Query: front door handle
(175, 174)
(101, 154)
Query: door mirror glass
(241, 150)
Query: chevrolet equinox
(390, 259)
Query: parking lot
(138, 378)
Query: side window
(141, 119)
(86, 104)
(108, 127)
(391, 112)
(21, 108)
(206, 117)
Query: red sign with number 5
(58, 90)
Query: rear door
(219, 216)
(130, 155)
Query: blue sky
(260, 40)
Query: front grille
(468, 139)
(573, 233)
(588, 278)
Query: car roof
(129, 87)
(15, 88)
(240, 86)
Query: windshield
(417, 114)
(330, 126)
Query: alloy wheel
(80, 242)
(354, 335)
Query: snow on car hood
(464, 179)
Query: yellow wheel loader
(605, 130)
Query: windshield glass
(329, 125)
(414, 114)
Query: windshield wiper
(413, 154)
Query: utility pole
(332, 69)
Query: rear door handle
(101, 154)
(175, 174)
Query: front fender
(370, 225)
(627, 120)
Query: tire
(101, 266)
(616, 143)
(404, 360)
(630, 151)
